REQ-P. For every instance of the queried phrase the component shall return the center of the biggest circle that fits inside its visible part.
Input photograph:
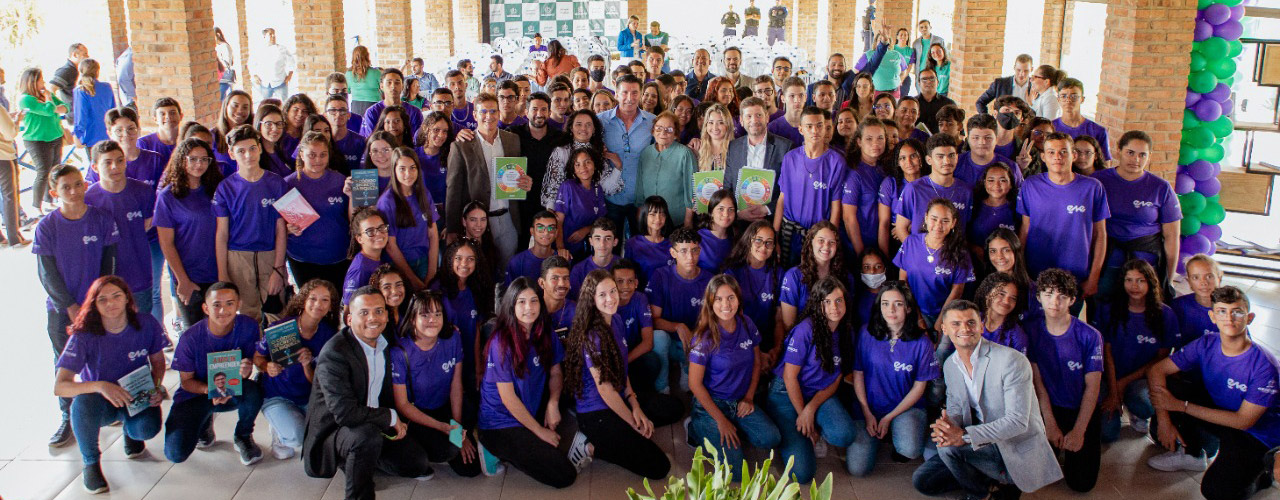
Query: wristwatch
(967, 438)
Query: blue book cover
(224, 374)
(283, 342)
(364, 187)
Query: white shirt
(276, 63)
(1022, 91)
(1046, 106)
(970, 384)
(755, 153)
(491, 152)
(376, 360)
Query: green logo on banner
(564, 28)
(612, 10)
(513, 12)
(548, 12)
(580, 10)
(530, 28)
(497, 30)
(597, 26)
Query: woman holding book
(415, 244)
(318, 249)
(105, 339)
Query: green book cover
(706, 184)
(284, 342)
(507, 173)
(224, 374)
(755, 187)
(139, 384)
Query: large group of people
(913, 277)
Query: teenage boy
(913, 204)
(950, 120)
(1236, 401)
(168, 116)
(147, 167)
(1066, 361)
(463, 115)
(788, 125)
(980, 134)
(633, 307)
(603, 238)
(677, 292)
(190, 422)
(250, 241)
(131, 203)
(392, 87)
(509, 105)
(336, 85)
(350, 145)
(810, 185)
(529, 262)
(561, 105)
(74, 245)
(1064, 217)
(554, 281)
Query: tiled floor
(29, 470)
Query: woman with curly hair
(822, 256)
(1002, 302)
(468, 295)
(390, 281)
(186, 227)
(1138, 330)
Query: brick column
(1145, 61)
(898, 13)
(640, 9)
(119, 27)
(393, 37)
(844, 32)
(978, 50)
(466, 23)
(173, 55)
(242, 35)
(1053, 32)
(318, 29)
(435, 44)
(804, 32)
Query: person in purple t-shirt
(148, 167)
(718, 232)
(251, 234)
(1067, 363)
(936, 262)
(1064, 218)
(74, 245)
(415, 241)
(1242, 408)
(131, 203)
(319, 250)
(637, 317)
(595, 373)
(392, 88)
(724, 370)
(426, 376)
(907, 167)
(186, 227)
(1145, 215)
(891, 370)
(999, 297)
(912, 205)
(810, 184)
(1193, 309)
(677, 293)
(870, 148)
(369, 229)
(554, 284)
(822, 256)
(794, 93)
(468, 297)
(651, 249)
(580, 200)
(528, 263)
(602, 240)
(800, 399)
(754, 263)
(105, 346)
(167, 113)
(981, 137)
(350, 145)
(1072, 122)
(993, 206)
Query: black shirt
(538, 152)
(929, 110)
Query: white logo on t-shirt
(1071, 209)
(899, 366)
(266, 202)
(335, 200)
(130, 216)
(1232, 384)
(746, 344)
(1141, 203)
(819, 185)
(447, 366)
(90, 239)
(1075, 365)
(140, 353)
(1143, 339)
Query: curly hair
(175, 175)
(911, 329)
(809, 264)
(591, 337)
(853, 148)
(1152, 301)
(1058, 280)
(298, 304)
(823, 341)
(982, 296)
(708, 326)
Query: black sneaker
(207, 437)
(94, 481)
(249, 452)
(134, 448)
(62, 436)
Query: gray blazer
(469, 178)
(1011, 413)
(776, 147)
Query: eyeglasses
(879, 107)
(544, 228)
(380, 151)
(335, 111)
(442, 103)
(272, 124)
(1235, 314)
(765, 92)
(1071, 97)
(928, 79)
(373, 231)
(200, 160)
(486, 111)
(665, 130)
(1037, 133)
(762, 242)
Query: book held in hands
(140, 386)
(364, 187)
(295, 209)
(224, 374)
(508, 171)
(283, 342)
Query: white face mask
(873, 281)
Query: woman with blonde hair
(717, 132)
(91, 100)
(363, 79)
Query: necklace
(930, 252)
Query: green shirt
(657, 40)
(668, 174)
(885, 79)
(944, 77)
(368, 89)
(41, 121)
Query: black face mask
(597, 75)
(1008, 121)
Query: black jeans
(362, 451)
(58, 337)
(662, 409)
(189, 418)
(621, 216)
(9, 199)
(44, 156)
(617, 443)
(1080, 468)
(1237, 473)
(521, 448)
(437, 446)
(191, 312)
(305, 271)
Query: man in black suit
(351, 422)
(1018, 84)
(757, 149)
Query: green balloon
(1192, 203)
(1197, 61)
(1217, 198)
(1236, 49)
(1190, 225)
(1202, 81)
(1198, 137)
(1222, 127)
(1222, 68)
(1188, 154)
(1203, 4)
(1213, 213)
(1228, 3)
(1189, 119)
(1214, 48)
(1213, 154)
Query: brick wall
(1053, 32)
(1146, 61)
(173, 55)
(844, 32)
(977, 52)
(640, 9)
(119, 28)
(898, 13)
(393, 37)
(466, 23)
(438, 37)
(318, 28)
(241, 32)
(805, 29)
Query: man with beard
(537, 140)
(732, 63)
(838, 78)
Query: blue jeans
(189, 418)
(288, 420)
(668, 348)
(223, 89)
(421, 266)
(756, 427)
(157, 266)
(90, 412)
(906, 431)
(143, 298)
(623, 216)
(834, 423)
(961, 467)
(266, 92)
(1137, 398)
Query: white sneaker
(580, 452)
(1173, 461)
(281, 451)
(820, 449)
(1141, 425)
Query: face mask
(873, 280)
(1008, 121)
(597, 75)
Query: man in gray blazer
(757, 149)
(991, 433)
(470, 177)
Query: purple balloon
(1208, 187)
(1200, 170)
(1220, 93)
(1217, 13)
(1237, 12)
(1230, 30)
(1211, 232)
(1217, 169)
(1207, 110)
(1184, 184)
(1194, 244)
(1213, 248)
(1203, 30)
(1193, 97)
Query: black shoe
(134, 448)
(94, 481)
(1006, 492)
(899, 458)
(207, 437)
(62, 436)
(249, 452)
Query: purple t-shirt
(530, 387)
(350, 152)
(195, 344)
(931, 281)
(194, 229)
(590, 399)
(1089, 128)
(1009, 150)
(358, 274)
(292, 382)
(1138, 208)
(462, 312)
(523, 264)
(152, 142)
(520, 120)
(714, 251)
(428, 374)
(650, 256)
(1133, 344)
(968, 170)
(414, 241)
(1193, 320)
(890, 369)
(780, 127)
(130, 208)
(277, 163)
(679, 299)
(1249, 376)
(730, 363)
(109, 356)
(465, 117)
(252, 225)
(433, 174)
(1062, 218)
(562, 319)
(795, 292)
(801, 352)
(580, 270)
(325, 240)
(374, 112)
(862, 190)
(916, 196)
(148, 168)
(1012, 337)
(580, 206)
(986, 219)
(77, 246)
(809, 186)
(890, 190)
(636, 316)
(1065, 359)
(289, 145)
(760, 291)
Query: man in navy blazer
(757, 149)
(1018, 84)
